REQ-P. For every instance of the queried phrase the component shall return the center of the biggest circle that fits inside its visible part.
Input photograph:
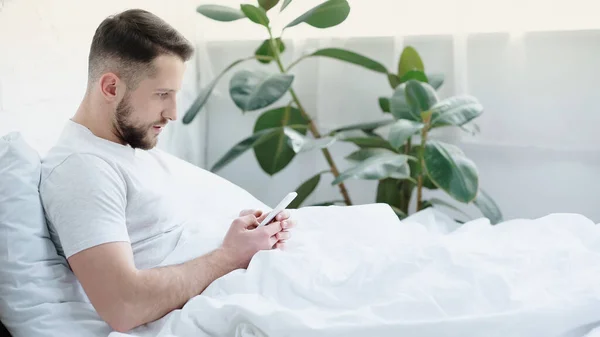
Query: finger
(280, 245)
(288, 224)
(282, 215)
(272, 228)
(273, 242)
(262, 216)
(283, 236)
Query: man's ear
(109, 86)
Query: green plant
(429, 164)
(282, 132)
(277, 128)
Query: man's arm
(126, 297)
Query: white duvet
(359, 271)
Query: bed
(349, 271)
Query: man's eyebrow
(165, 89)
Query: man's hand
(283, 217)
(244, 238)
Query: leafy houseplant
(256, 90)
(282, 132)
(402, 166)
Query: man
(105, 188)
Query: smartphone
(280, 207)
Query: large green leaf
(414, 75)
(488, 207)
(388, 191)
(394, 80)
(274, 153)
(409, 60)
(256, 90)
(400, 213)
(471, 128)
(378, 167)
(415, 169)
(420, 96)
(363, 154)
(369, 142)
(451, 170)
(328, 14)
(457, 111)
(242, 147)
(305, 189)
(384, 104)
(284, 4)
(351, 57)
(402, 130)
(255, 14)
(300, 143)
(440, 202)
(265, 49)
(268, 4)
(367, 127)
(409, 98)
(399, 106)
(436, 80)
(204, 94)
(220, 13)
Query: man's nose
(171, 111)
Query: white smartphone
(280, 207)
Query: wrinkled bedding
(359, 271)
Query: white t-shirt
(95, 191)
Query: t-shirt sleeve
(85, 201)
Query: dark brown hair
(128, 42)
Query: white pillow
(39, 295)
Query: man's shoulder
(78, 167)
(78, 153)
(76, 161)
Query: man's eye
(163, 94)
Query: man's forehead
(167, 72)
(167, 63)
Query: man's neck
(97, 118)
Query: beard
(137, 136)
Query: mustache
(162, 122)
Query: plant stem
(311, 124)
(426, 120)
(421, 168)
(296, 62)
(313, 129)
(419, 192)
